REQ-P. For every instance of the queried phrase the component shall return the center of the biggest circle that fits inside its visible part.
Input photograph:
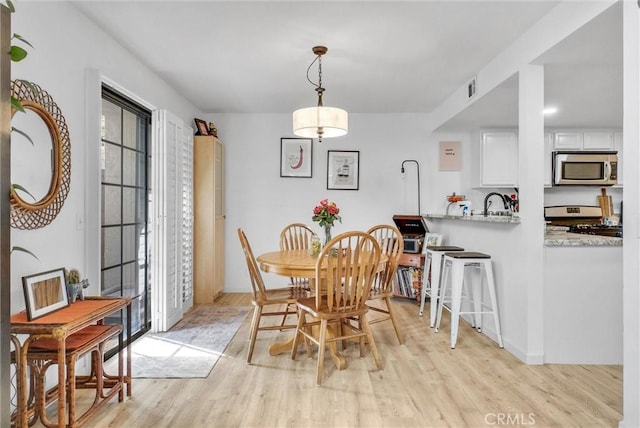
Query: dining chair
(392, 244)
(345, 271)
(297, 236)
(263, 298)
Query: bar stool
(433, 261)
(456, 263)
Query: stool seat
(444, 248)
(468, 255)
(433, 262)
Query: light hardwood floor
(424, 384)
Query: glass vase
(327, 234)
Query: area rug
(191, 348)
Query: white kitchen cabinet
(567, 140)
(499, 159)
(583, 140)
(598, 140)
(548, 159)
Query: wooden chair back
(391, 244)
(345, 271)
(296, 236)
(257, 285)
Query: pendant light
(319, 121)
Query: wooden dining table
(300, 264)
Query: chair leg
(372, 343)
(322, 345)
(255, 324)
(296, 338)
(284, 317)
(394, 320)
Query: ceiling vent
(472, 87)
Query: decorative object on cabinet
(343, 169)
(450, 156)
(212, 129)
(418, 172)
(208, 219)
(202, 127)
(320, 121)
(45, 292)
(41, 212)
(296, 157)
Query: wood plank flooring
(424, 384)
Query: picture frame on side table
(296, 157)
(45, 292)
(343, 169)
(201, 127)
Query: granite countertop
(478, 218)
(566, 239)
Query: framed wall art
(201, 127)
(343, 170)
(44, 293)
(296, 157)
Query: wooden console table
(58, 330)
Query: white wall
(66, 45)
(262, 203)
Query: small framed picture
(201, 127)
(343, 170)
(44, 293)
(431, 240)
(296, 157)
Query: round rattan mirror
(27, 214)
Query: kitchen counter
(566, 239)
(478, 218)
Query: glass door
(125, 198)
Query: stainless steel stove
(584, 219)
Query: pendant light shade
(320, 121)
(331, 121)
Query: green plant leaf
(22, 39)
(24, 134)
(24, 250)
(35, 89)
(10, 5)
(16, 104)
(22, 189)
(18, 53)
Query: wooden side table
(47, 339)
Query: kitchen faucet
(487, 203)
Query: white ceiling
(384, 56)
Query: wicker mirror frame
(34, 215)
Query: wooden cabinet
(208, 218)
(499, 159)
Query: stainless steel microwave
(585, 168)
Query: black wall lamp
(418, 169)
